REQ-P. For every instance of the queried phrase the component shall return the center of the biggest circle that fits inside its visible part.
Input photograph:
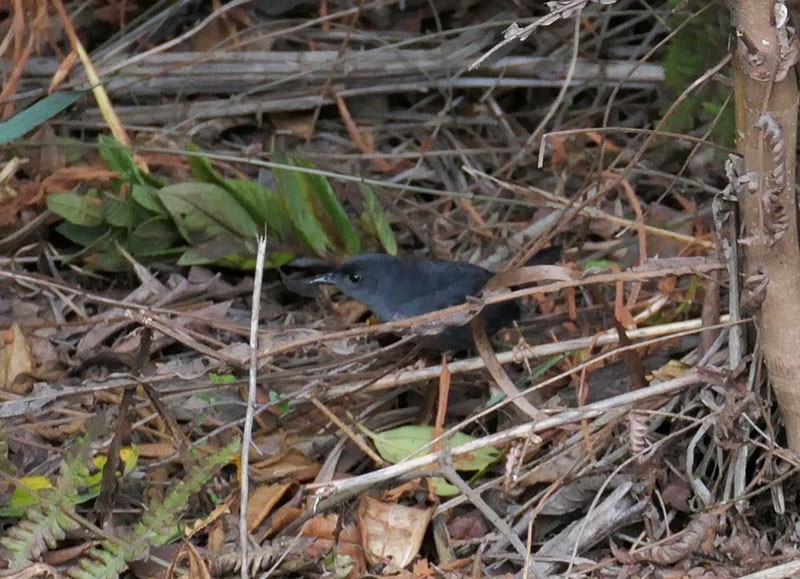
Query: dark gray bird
(396, 288)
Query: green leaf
(320, 190)
(36, 114)
(153, 237)
(204, 212)
(264, 205)
(294, 191)
(107, 258)
(193, 257)
(280, 402)
(117, 212)
(206, 254)
(81, 234)
(212, 251)
(222, 378)
(601, 264)
(119, 158)
(374, 220)
(147, 197)
(443, 488)
(106, 240)
(406, 441)
(79, 209)
(261, 202)
(279, 258)
(21, 499)
(201, 168)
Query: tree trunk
(766, 121)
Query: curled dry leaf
(677, 547)
(391, 533)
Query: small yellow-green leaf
(443, 488)
(22, 498)
(407, 441)
(129, 456)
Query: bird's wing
(448, 284)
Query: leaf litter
(424, 158)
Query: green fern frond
(42, 529)
(47, 522)
(159, 525)
(107, 561)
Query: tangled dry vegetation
(653, 448)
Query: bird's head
(368, 279)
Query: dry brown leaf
(156, 450)
(202, 524)
(323, 529)
(530, 275)
(422, 570)
(391, 533)
(694, 538)
(198, 568)
(298, 125)
(262, 501)
(282, 517)
(291, 465)
(468, 526)
(16, 361)
(44, 155)
(216, 537)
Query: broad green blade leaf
(201, 168)
(81, 234)
(86, 210)
(374, 220)
(106, 240)
(263, 204)
(294, 191)
(147, 197)
(119, 158)
(213, 250)
(400, 443)
(321, 191)
(117, 212)
(36, 114)
(153, 237)
(204, 212)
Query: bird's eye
(354, 278)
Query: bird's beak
(325, 278)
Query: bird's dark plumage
(395, 288)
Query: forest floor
(484, 132)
